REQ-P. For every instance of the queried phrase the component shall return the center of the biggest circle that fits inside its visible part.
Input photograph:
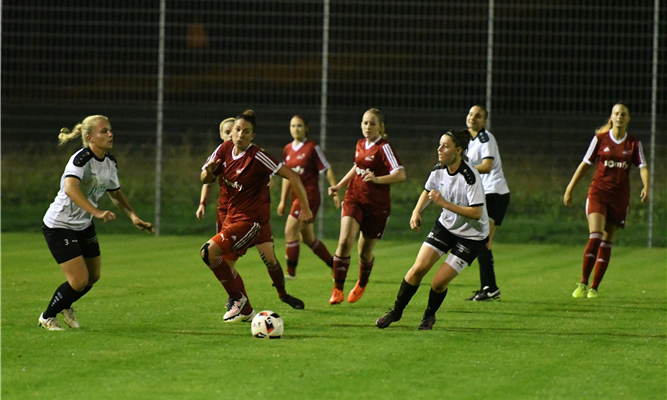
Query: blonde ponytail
(606, 127)
(82, 129)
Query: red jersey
(307, 160)
(614, 158)
(379, 158)
(246, 177)
(222, 198)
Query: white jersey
(97, 176)
(485, 146)
(463, 188)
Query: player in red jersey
(225, 134)
(609, 194)
(246, 171)
(367, 203)
(305, 158)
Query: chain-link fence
(550, 72)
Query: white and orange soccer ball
(267, 325)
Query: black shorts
(66, 244)
(496, 206)
(444, 241)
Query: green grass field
(152, 329)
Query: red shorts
(372, 220)
(313, 202)
(613, 208)
(220, 221)
(235, 238)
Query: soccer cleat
(234, 308)
(70, 318)
(592, 293)
(486, 294)
(427, 323)
(337, 297)
(293, 302)
(290, 274)
(580, 291)
(474, 294)
(50, 324)
(247, 317)
(356, 293)
(386, 320)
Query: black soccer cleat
(293, 302)
(474, 294)
(386, 320)
(486, 294)
(427, 323)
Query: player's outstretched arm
(343, 182)
(123, 204)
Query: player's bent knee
(204, 253)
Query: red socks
(230, 279)
(278, 277)
(340, 267)
(590, 255)
(292, 254)
(365, 272)
(604, 254)
(321, 251)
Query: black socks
(487, 274)
(63, 299)
(435, 300)
(404, 296)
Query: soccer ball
(267, 325)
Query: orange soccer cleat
(337, 297)
(356, 293)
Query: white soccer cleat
(234, 308)
(50, 324)
(247, 317)
(70, 318)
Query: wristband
(203, 203)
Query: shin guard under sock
(365, 272)
(62, 299)
(405, 293)
(604, 254)
(590, 255)
(292, 250)
(435, 300)
(340, 268)
(487, 274)
(227, 277)
(321, 251)
(278, 277)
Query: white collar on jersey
(613, 139)
(234, 157)
(296, 145)
(369, 144)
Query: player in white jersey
(463, 227)
(483, 153)
(68, 223)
